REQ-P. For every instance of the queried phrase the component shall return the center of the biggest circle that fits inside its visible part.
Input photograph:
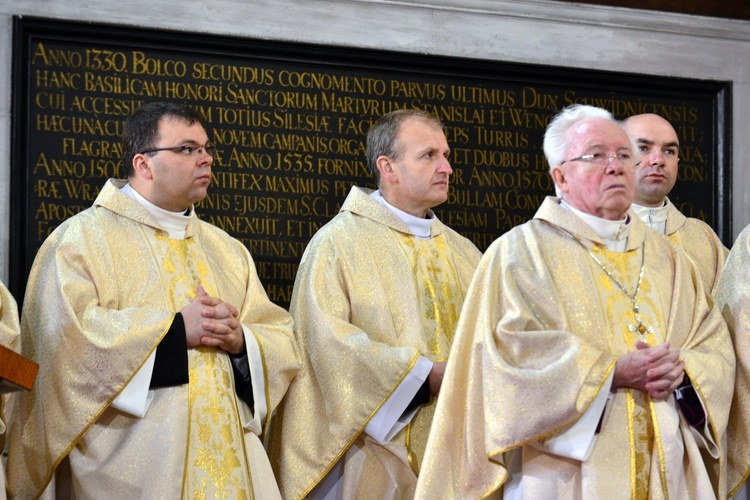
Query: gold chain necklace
(638, 327)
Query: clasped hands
(656, 370)
(212, 322)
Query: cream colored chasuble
(440, 303)
(439, 300)
(618, 308)
(9, 330)
(621, 337)
(539, 336)
(215, 464)
(692, 235)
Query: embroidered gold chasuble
(9, 337)
(701, 244)
(733, 298)
(369, 299)
(102, 293)
(539, 334)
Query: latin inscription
(291, 140)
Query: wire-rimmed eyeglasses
(602, 159)
(191, 151)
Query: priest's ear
(386, 168)
(560, 178)
(142, 166)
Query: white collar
(421, 227)
(652, 216)
(614, 232)
(174, 222)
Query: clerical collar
(174, 222)
(422, 228)
(653, 217)
(614, 232)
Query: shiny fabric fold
(10, 330)
(98, 302)
(733, 299)
(360, 319)
(701, 244)
(538, 336)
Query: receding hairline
(637, 119)
(431, 121)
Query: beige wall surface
(538, 32)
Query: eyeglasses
(602, 159)
(189, 151)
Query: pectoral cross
(639, 327)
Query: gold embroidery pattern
(625, 267)
(441, 298)
(659, 450)
(642, 442)
(440, 301)
(214, 468)
(676, 238)
(218, 471)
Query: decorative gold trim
(659, 448)
(562, 427)
(631, 436)
(361, 429)
(741, 483)
(410, 454)
(503, 478)
(238, 415)
(188, 428)
(98, 414)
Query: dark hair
(381, 138)
(141, 128)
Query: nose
(445, 167)
(205, 157)
(614, 165)
(656, 158)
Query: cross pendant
(639, 327)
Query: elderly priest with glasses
(587, 361)
(161, 357)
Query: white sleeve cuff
(578, 441)
(387, 422)
(255, 420)
(136, 397)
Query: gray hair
(556, 141)
(381, 138)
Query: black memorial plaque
(290, 122)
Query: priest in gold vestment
(588, 362)
(659, 149)
(733, 298)
(375, 304)
(9, 337)
(161, 357)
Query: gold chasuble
(542, 326)
(733, 298)
(103, 291)
(701, 244)
(369, 299)
(9, 330)
(692, 235)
